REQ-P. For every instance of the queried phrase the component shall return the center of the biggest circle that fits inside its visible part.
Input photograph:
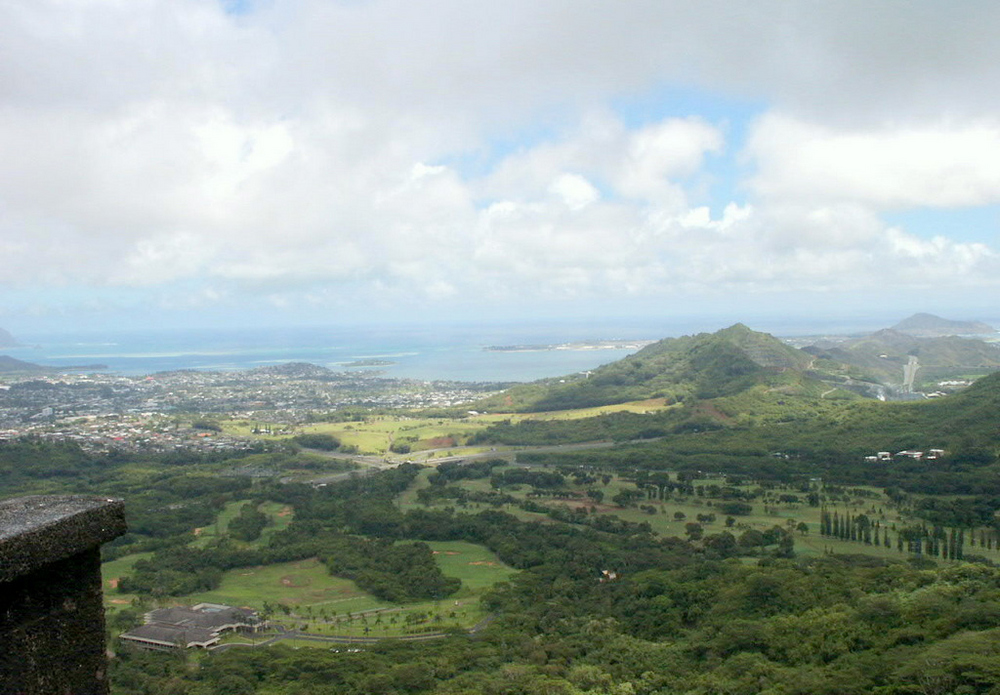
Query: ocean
(445, 352)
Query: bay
(450, 352)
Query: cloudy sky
(183, 162)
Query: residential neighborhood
(105, 411)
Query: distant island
(369, 362)
(595, 345)
(928, 325)
(10, 364)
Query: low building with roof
(181, 627)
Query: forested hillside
(884, 353)
(707, 365)
(595, 612)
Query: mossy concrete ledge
(51, 607)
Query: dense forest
(702, 366)
(674, 618)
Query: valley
(675, 507)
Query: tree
(249, 524)
(751, 538)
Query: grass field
(476, 566)
(303, 595)
(298, 585)
(647, 406)
(408, 498)
(111, 572)
(279, 517)
(376, 434)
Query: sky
(285, 162)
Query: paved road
(341, 639)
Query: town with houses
(102, 410)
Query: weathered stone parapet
(51, 607)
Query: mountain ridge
(883, 354)
(702, 366)
(928, 325)
(7, 340)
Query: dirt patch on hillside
(292, 581)
(713, 412)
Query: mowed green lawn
(306, 596)
(299, 584)
(279, 517)
(111, 572)
(478, 567)
(306, 583)
(375, 434)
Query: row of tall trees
(919, 539)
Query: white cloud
(661, 153)
(307, 149)
(574, 190)
(931, 166)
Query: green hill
(962, 423)
(884, 353)
(706, 365)
(970, 418)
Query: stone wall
(51, 608)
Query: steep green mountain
(707, 365)
(883, 354)
(929, 325)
